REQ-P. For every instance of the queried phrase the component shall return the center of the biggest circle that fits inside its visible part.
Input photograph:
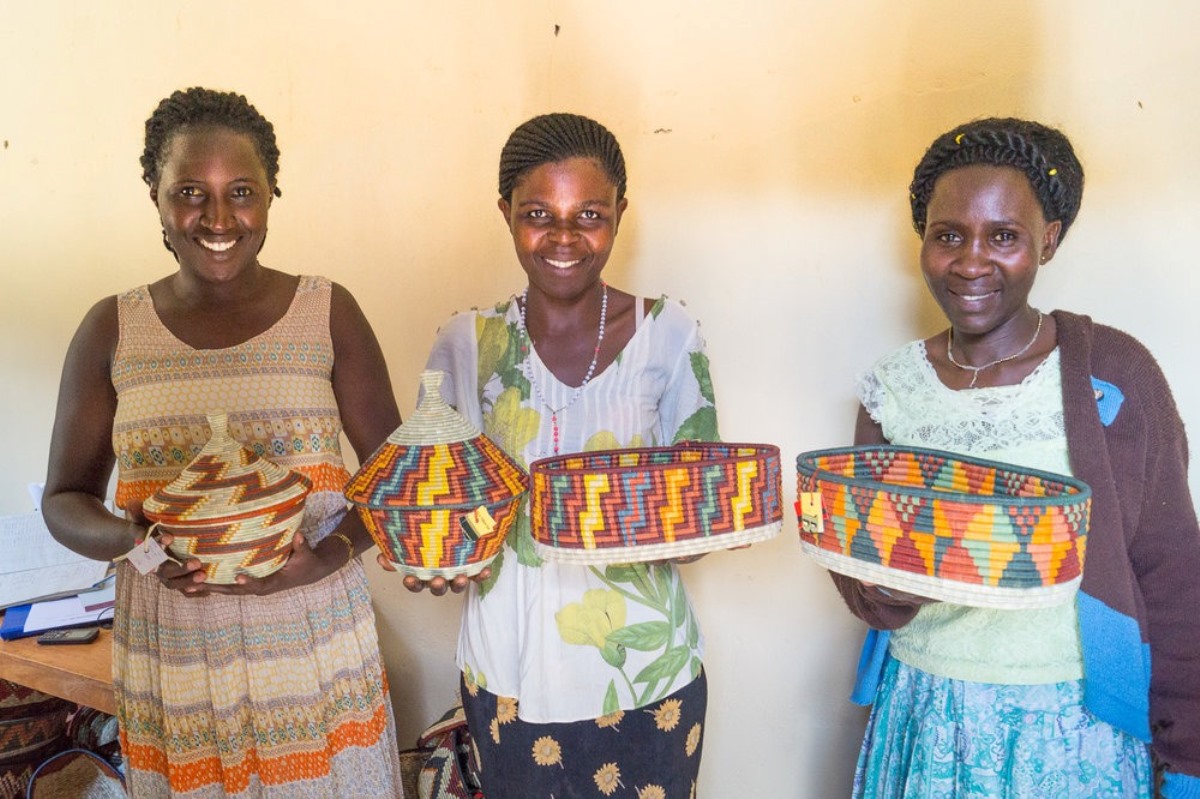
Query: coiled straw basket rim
(573, 472)
(1013, 488)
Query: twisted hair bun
(1042, 153)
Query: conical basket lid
(436, 459)
(225, 481)
(433, 422)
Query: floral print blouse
(574, 642)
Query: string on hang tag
(147, 555)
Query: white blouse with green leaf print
(577, 642)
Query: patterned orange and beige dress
(276, 696)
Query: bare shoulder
(98, 332)
(345, 315)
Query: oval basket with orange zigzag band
(232, 510)
(944, 526)
(438, 497)
(634, 505)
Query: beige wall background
(769, 146)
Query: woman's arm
(366, 404)
(81, 455)
(1165, 555)
(360, 377)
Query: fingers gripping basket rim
(654, 503)
(945, 526)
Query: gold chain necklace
(975, 370)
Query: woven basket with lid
(438, 497)
(233, 510)
(944, 526)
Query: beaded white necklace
(975, 370)
(527, 343)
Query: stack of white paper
(35, 566)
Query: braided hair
(199, 108)
(1044, 155)
(551, 138)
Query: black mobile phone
(79, 635)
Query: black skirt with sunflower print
(649, 753)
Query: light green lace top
(1021, 424)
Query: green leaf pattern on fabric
(492, 334)
(700, 426)
(671, 637)
(700, 369)
(507, 419)
(611, 703)
(599, 621)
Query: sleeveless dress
(276, 696)
(978, 702)
(580, 680)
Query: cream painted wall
(769, 148)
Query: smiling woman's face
(563, 217)
(985, 236)
(213, 197)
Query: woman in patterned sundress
(578, 681)
(1057, 702)
(270, 687)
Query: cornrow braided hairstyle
(1042, 153)
(198, 108)
(551, 138)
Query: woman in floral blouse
(577, 680)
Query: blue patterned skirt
(933, 737)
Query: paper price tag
(478, 523)
(811, 518)
(148, 556)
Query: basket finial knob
(431, 385)
(218, 422)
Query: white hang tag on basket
(148, 555)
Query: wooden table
(80, 673)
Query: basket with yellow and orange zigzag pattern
(655, 503)
(438, 497)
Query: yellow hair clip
(958, 139)
(1052, 172)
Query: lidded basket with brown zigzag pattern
(230, 508)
